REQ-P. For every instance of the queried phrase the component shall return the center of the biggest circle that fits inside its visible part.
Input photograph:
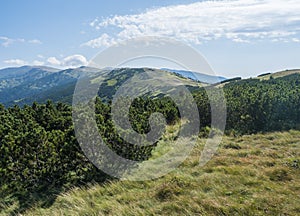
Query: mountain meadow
(43, 170)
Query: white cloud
(35, 41)
(93, 23)
(18, 62)
(74, 61)
(103, 41)
(53, 61)
(6, 41)
(38, 63)
(239, 40)
(296, 40)
(69, 61)
(237, 20)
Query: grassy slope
(279, 74)
(250, 175)
(275, 75)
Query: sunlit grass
(249, 175)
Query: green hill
(278, 74)
(24, 85)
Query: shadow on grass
(14, 201)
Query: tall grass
(249, 175)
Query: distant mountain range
(24, 85)
(201, 77)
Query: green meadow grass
(249, 175)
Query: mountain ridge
(202, 77)
(26, 84)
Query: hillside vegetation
(250, 175)
(41, 158)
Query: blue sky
(238, 37)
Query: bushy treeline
(38, 147)
(261, 106)
(255, 105)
